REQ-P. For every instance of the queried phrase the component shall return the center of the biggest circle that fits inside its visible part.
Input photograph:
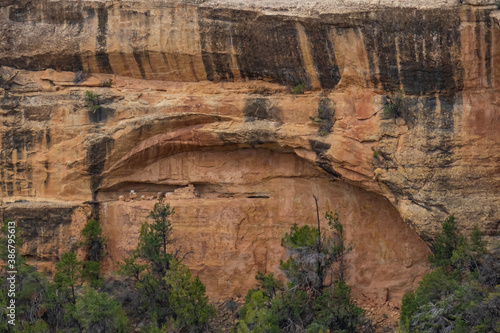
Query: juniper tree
(316, 259)
(315, 297)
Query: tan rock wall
(201, 95)
(246, 200)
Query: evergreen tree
(93, 240)
(256, 316)
(149, 262)
(64, 292)
(52, 307)
(187, 299)
(68, 275)
(334, 310)
(160, 279)
(31, 286)
(315, 298)
(98, 312)
(459, 295)
(445, 243)
(94, 243)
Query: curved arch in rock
(234, 201)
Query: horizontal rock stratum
(397, 128)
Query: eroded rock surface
(196, 102)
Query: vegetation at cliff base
(72, 302)
(155, 292)
(315, 297)
(462, 293)
(167, 294)
(159, 293)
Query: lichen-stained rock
(198, 104)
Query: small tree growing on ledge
(394, 104)
(299, 89)
(92, 101)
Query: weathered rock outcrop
(200, 95)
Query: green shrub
(98, 312)
(456, 296)
(394, 105)
(92, 101)
(187, 299)
(299, 89)
(256, 316)
(335, 310)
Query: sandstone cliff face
(200, 107)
